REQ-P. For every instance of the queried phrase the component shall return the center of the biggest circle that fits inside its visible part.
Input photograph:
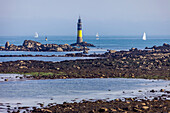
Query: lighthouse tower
(79, 31)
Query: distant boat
(97, 36)
(46, 39)
(144, 36)
(36, 35)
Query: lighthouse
(80, 42)
(79, 31)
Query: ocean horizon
(107, 42)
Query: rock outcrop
(7, 44)
(165, 47)
(84, 44)
(30, 45)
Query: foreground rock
(30, 45)
(129, 105)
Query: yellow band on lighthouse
(80, 33)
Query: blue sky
(107, 17)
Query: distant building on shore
(79, 31)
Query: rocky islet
(29, 45)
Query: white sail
(144, 36)
(97, 36)
(36, 35)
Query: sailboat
(97, 36)
(144, 36)
(46, 39)
(36, 35)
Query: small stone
(152, 91)
(92, 111)
(162, 90)
(113, 110)
(23, 67)
(116, 100)
(103, 109)
(145, 107)
(143, 104)
(46, 111)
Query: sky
(107, 17)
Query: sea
(17, 93)
(30, 93)
(102, 45)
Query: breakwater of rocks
(29, 45)
(127, 64)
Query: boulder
(103, 109)
(1, 47)
(31, 44)
(162, 90)
(112, 51)
(7, 45)
(59, 49)
(145, 107)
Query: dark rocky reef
(30, 45)
(149, 64)
(165, 47)
(84, 44)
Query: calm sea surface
(31, 92)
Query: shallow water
(53, 59)
(32, 92)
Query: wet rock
(140, 91)
(92, 111)
(43, 111)
(83, 44)
(2, 48)
(113, 110)
(143, 104)
(23, 67)
(152, 91)
(7, 45)
(112, 51)
(103, 109)
(59, 49)
(31, 44)
(145, 107)
(162, 90)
